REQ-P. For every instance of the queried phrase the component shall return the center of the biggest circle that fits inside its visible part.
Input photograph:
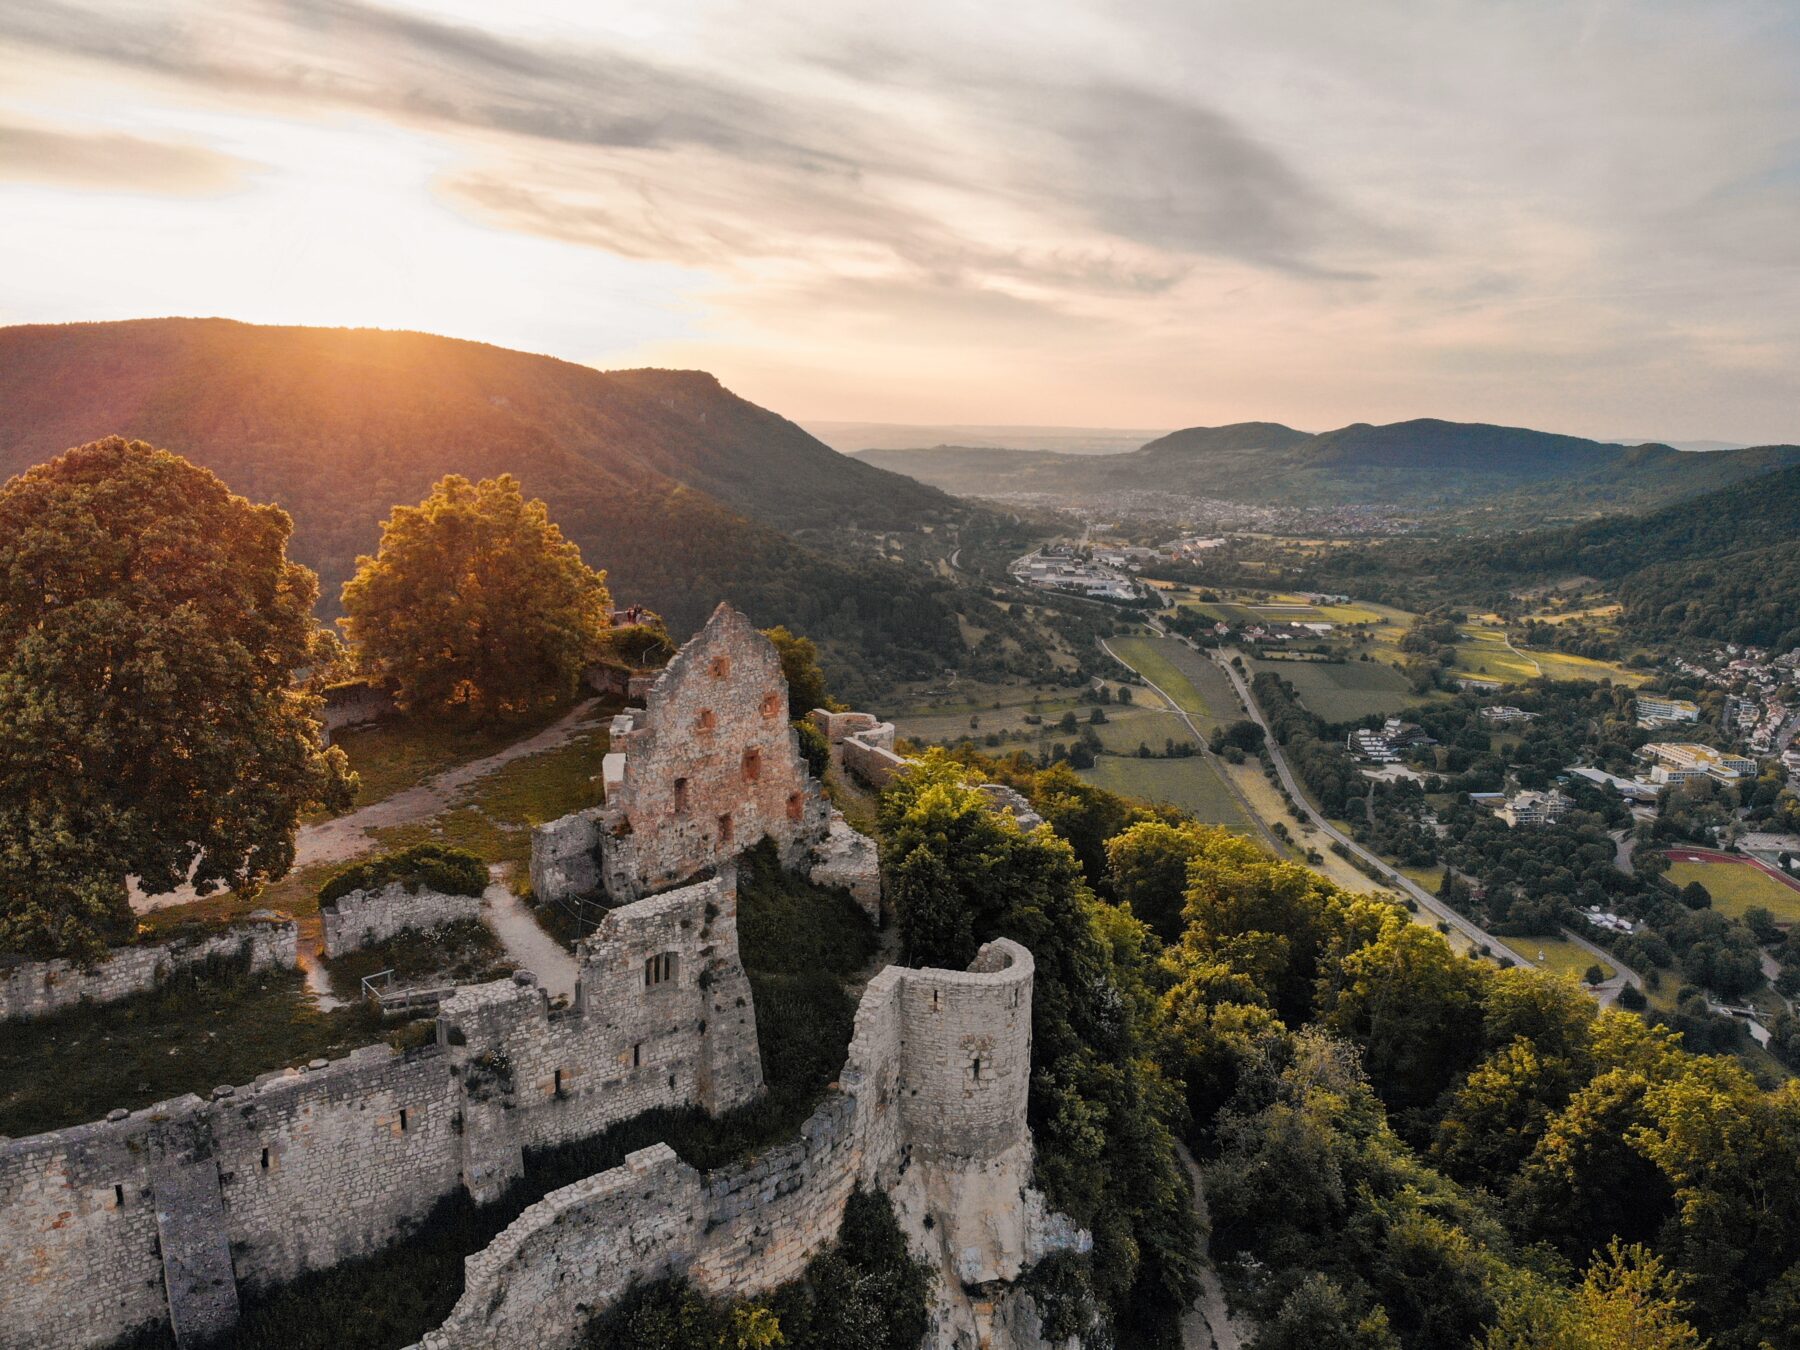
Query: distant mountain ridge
(1425, 462)
(683, 490)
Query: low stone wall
(160, 1215)
(895, 1120)
(848, 859)
(364, 918)
(872, 763)
(40, 988)
(355, 703)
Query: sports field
(1736, 886)
(1343, 692)
(1191, 784)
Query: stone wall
(874, 764)
(711, 766)
(364, 918)
(911, 1114)
(355, 703)
(108, 1226)
(708, 768)
(40, 988)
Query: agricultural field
(1191, 784)
(1737, 887)
(1185, 675)
(1344, 691)
(1556, 955)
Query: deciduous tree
(475, 602)
(151, 628)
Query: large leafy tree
(475, 603)
(151, 627)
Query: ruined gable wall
(745, 1229)
(40, 988)
(711, 766)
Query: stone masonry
(40, 988)
(929, 1107)
(708, 768)
(364, 918)
(160, 1215)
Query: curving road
(1426, 900)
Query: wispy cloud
(1154, 212)
(116, 162)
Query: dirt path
(525, 942)
(1207, 1324)
(346, 837)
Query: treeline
(1404, 1149)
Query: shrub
(451, 871)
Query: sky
(1579, 215)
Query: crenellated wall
(910, 1114)
(163, 1213)
(40, 988)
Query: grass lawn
(495, 816)
(1344, 692)
(209, 1025)
(1127, 727)
(1738, 887)
(1191, 784)
(457, 953)
(403, 752)
(1561, 666)
(1560, 956)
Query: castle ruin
(161, 1216)
(708, 768)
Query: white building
(1535, 808)
(1653, 710)
(1681, 762)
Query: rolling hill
(682, 490)
(1423, 463)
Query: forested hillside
(1723, 567)
(675, 485)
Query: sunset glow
(1579, 217)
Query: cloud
(116, 162)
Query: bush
(451, 871)
(1632, 999)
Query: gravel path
(525, 942)
(345, 837)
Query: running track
(1707, 855)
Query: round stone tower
(965, 1068)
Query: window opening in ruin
(681, 804)
(978, 1068)
(119, 1196)
(721, 667)
(705, 721)
(265, 1160)
(557, 1081)
(637, 1055)
(752, 765)
(403, 1120)
(659, 969)
(725, 829)
(771, 704)
(934, 1000)
(1015, 998)
(796, 807)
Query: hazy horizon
(1570, 218)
